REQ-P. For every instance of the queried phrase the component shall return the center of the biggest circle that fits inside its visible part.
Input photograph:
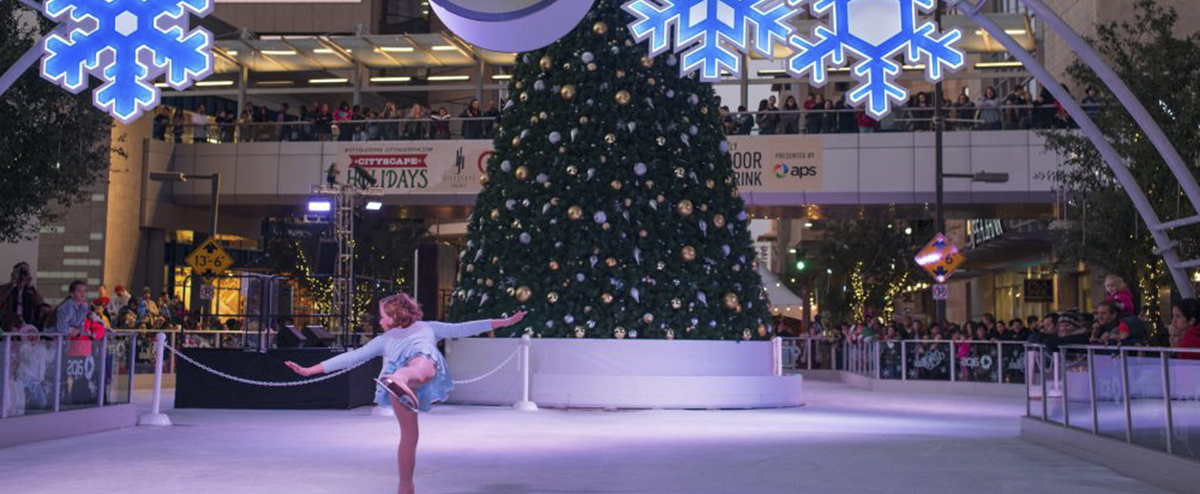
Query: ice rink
(843, 441)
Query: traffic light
(802, 260)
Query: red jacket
(1124, 301)
(1190, 339)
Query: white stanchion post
(156, 417)
(525, 405)
(777, 355)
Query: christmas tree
(609, 208)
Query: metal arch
(1165, 245)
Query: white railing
(49, 373)
(1148, 396)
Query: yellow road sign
(940, 258)
(209, 259)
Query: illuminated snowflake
(127, 44)
(712, 32)
(874, 31)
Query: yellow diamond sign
(209, 259)
(940, 258)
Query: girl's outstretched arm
(462, 330)
(374, 348)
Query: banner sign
(790, 163)
(418, 166)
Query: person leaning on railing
(1185, 321)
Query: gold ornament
(606, 226)
(660, 199)
(516, 141)
(511, 291)
(620, 74)
(544, 115)
(523, 97)
(519, 85)
(689, 253)
(533, 120)
(495, 261)
(583, 120)
(684, 208)
(704, 110)
(680, 172)
(704, 207)
(616, 185)
(478, 281)
(489, 283)
(567, 92)
(572, 170)
(522, 173)
(554, 201)
(662, 141)
(607, 298)
(651, 81)
(592, 67)
(600, 27)
(470, 268)
(610, 262)
(495, 214)
(619, 333)
(575, 212)
(523, 294)
(623, 97)
(719, 221)
(731, 301)
(546, 63)
(710, 183)
(610, 138)
(628, 202)
(552, 297)
(643, 233)
(554, 265)
(648, 318)
(562, 150)
(647, 62)
(650, 185)
(676, 304)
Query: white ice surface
(844, 441)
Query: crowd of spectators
(1018, 110)
(1115, 322)
(320, 122)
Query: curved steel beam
(1132, 104)
(1089, 128)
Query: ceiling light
(437, 78)
(391, 79)
(374, 205)
(445, 48)
(319, 206)
(331, 80)
(279, 52)
(214, 83)
(502, 77)
(395, 49)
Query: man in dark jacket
(19, 299)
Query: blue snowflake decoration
(874, 32)
(127, 44)
(711, 33)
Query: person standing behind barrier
(791, 121)
(414, 374)
(1117, 292)
(472, 129)
(988, 111)
(1185, 321)
(745, 121)
(20, 299)
(767, 121)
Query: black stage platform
(196, 388)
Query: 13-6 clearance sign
(778, 163)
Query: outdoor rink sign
(788, 163)
(127, 44)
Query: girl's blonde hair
(402, 309)
(1117, 281)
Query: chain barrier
(321, 378)
(493, 371)
(259, 383)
